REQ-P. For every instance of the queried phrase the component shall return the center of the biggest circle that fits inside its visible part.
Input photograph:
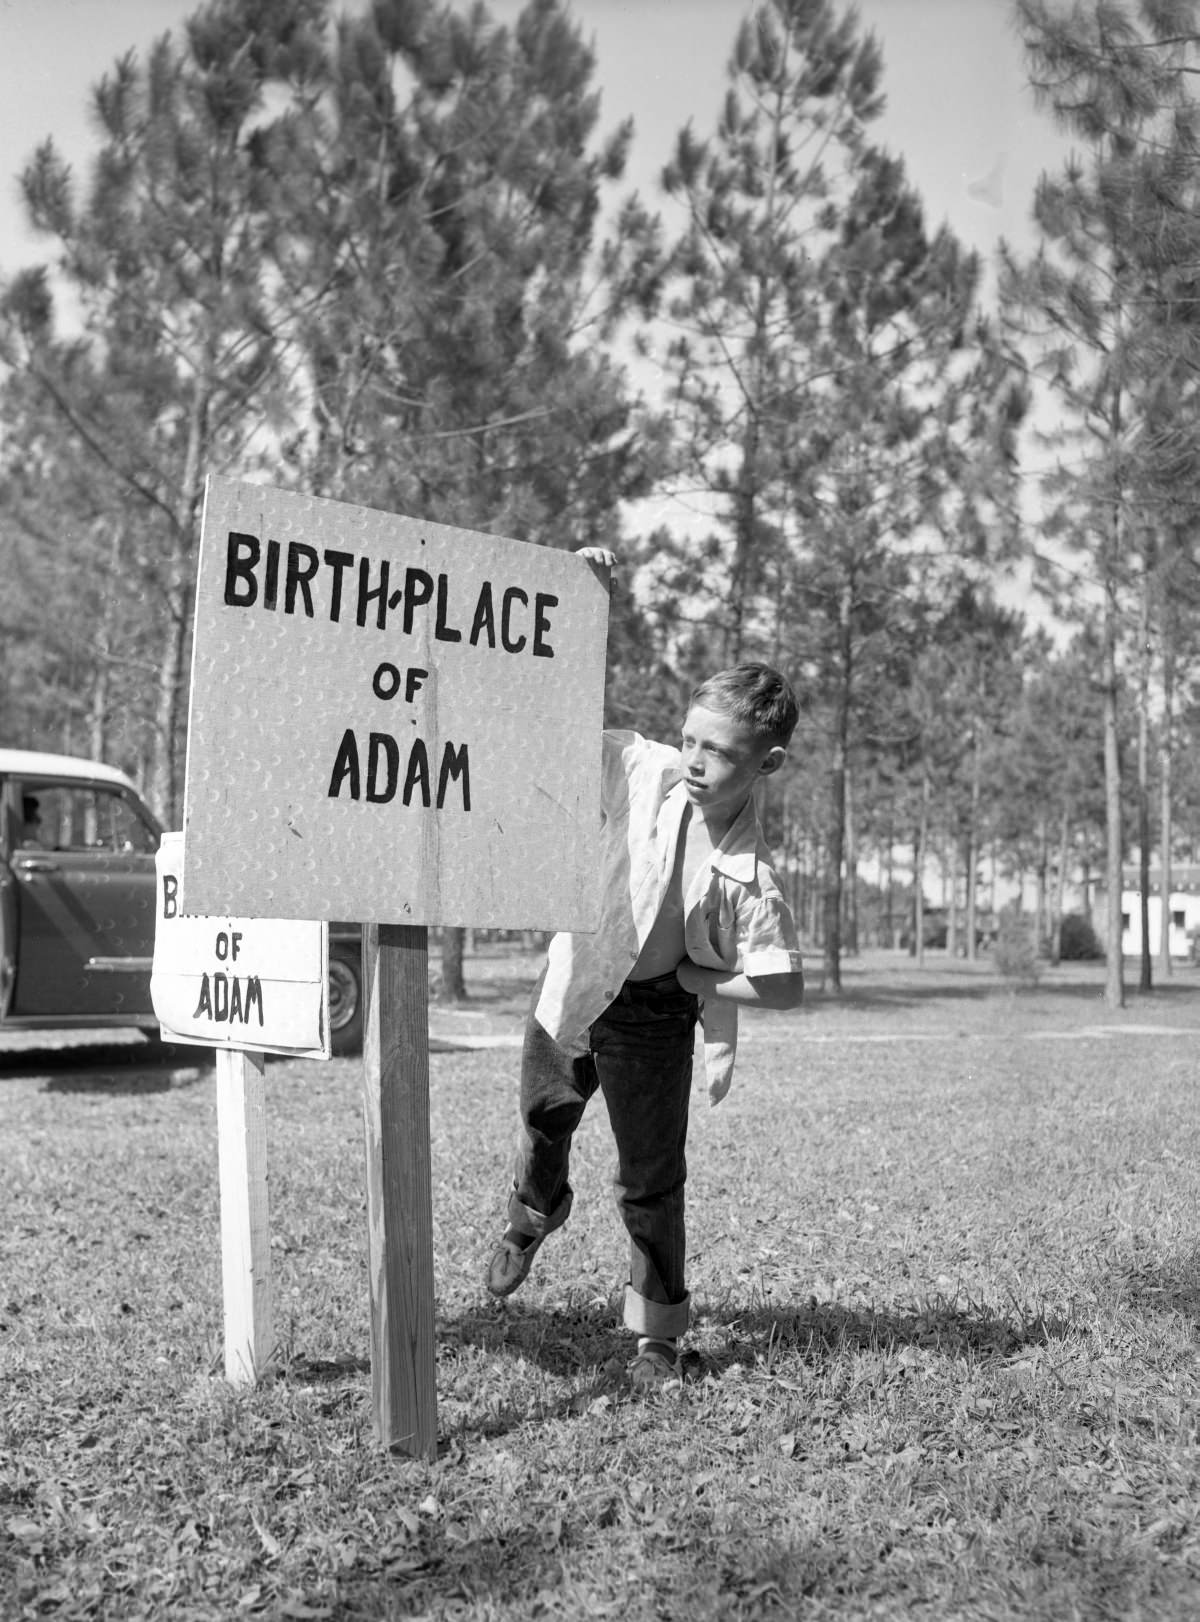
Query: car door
(84, 881)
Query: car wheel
(345, 1000)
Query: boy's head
(736, 731)
(754, 695)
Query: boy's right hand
(600, 559)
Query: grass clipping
(943, 1363)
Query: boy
(692, 917)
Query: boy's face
(722, 761)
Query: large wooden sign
(258, 985)
(391, 721)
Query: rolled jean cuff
(658, 1318)
(536, 1223)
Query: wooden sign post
(399, 723)
(399, 1187)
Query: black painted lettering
(235, 1002)
(511, 644)
(541, 625)
(241, 554)
(454, 765)
(368, 594)
(418, 589)
(302, 564)
(417, 775)
(382, 744)
(485, 617)
(346, 768)
(415, 678)
(221, 946)
(339, 562)
(204, 1004)
(220, 997)
(271, 576)
(253, 995)
(443, 631)
(386, 681)
(170, 895)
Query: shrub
(1078, 941)
(1016, 950)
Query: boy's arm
(759, 990)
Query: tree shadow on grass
(816, 1331)
(905, 992)
(1173, 1285)
(742, 1572)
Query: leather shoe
(655, 1366)
(510, 1262)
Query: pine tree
(740, 289)
(1090, 305)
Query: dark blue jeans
(641, 1060)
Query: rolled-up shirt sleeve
(767, 938)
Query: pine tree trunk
(1166, 750)
(851, 893)
(813, 891)
(973, 849)
(835, 855)
(950, 893)
(453, 987)
(919, 871)
(1060, 886)
(1146, 976)
(165, 777)
(1041, 913)
(1114, 977)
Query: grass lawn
(946, 1269)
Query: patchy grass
(946, 1270)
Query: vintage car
(77, 903)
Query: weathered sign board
(259, 984)
(391, 721)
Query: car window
(78, 817)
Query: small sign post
(245, 1215)
(394, 722)
(244, 987)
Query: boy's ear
(772, 760)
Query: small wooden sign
(259, 985)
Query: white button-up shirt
(735, 918)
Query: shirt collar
(737, 854)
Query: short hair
(757, 696)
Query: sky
(958, 109)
